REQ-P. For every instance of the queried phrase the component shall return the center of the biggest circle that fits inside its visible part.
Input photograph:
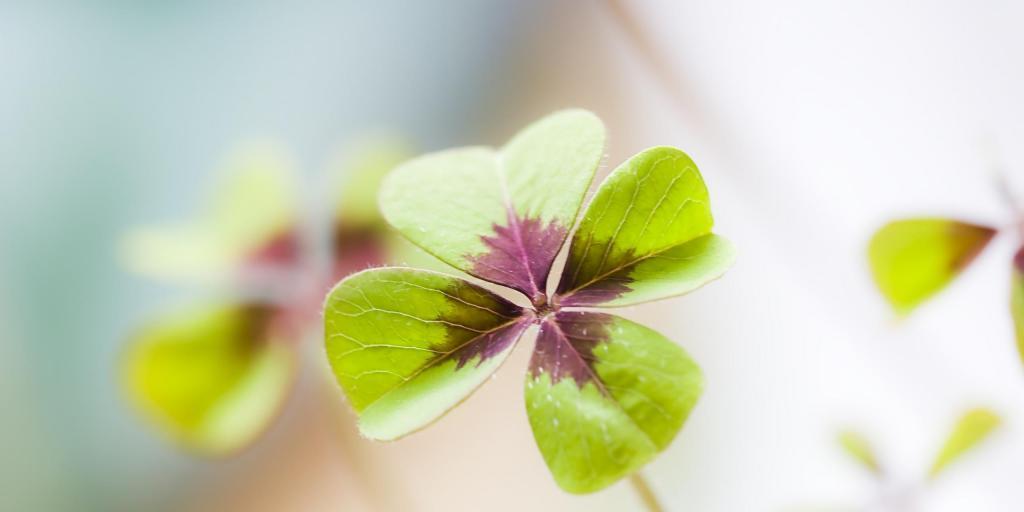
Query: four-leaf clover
(604, 395)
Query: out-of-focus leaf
(604, 396)
(645, 236)
(500, 215)
(356, 248)
(361, 238)
(362, 167)
(1017, 299)
(250, 217)
(913, 259)
(857, 446)
(970, 430)
(211, 378)
(407, 345)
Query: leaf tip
(973, 427)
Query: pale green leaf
(254, 202)
(913, 259)
(360, 169)
(212, 378)
(605, 396)
(645, 236)
(360, 236)
(971, 429)
(500, 215)
(857, 446)
(407, 345)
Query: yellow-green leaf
(211, 378)
(857, 446)
(971, 429)
(645, 236)
(913, 259)
(407, 345)
(604, 396)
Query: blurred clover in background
(213, 375)
(970, 430)
(913, 259)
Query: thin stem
(1004, 188)
(644, 492)
(1006, 191)
(681, 97)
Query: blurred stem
(1011, 200)
(1006, 191)
(681, 97)
(644, 492)
(1004, 188)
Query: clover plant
(214, 374)
(973, 427)
(914, 259)
(604, 394)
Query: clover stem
(1009, 197)
(644, 492)
(539, 301)
(542, 308)
(680, 95)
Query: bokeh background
(813, 123)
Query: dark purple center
(565, 346)
(520, 255)
(491, 343)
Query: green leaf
(361, 238)
(500, 215)
(252, 205)
(362, 168)
(210, 378)
(645, 236)
(972, 428)
(1017, 300)
(913, 259)
(604, 396)
(857, 446)
(407, 345)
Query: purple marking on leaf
(1018, 260)
(599, 292)
(492, 343)
(260, 322)
(281, 250)
(598, 289)
(565, 346)
(520, 254)
(356, 248)
(975, 237)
